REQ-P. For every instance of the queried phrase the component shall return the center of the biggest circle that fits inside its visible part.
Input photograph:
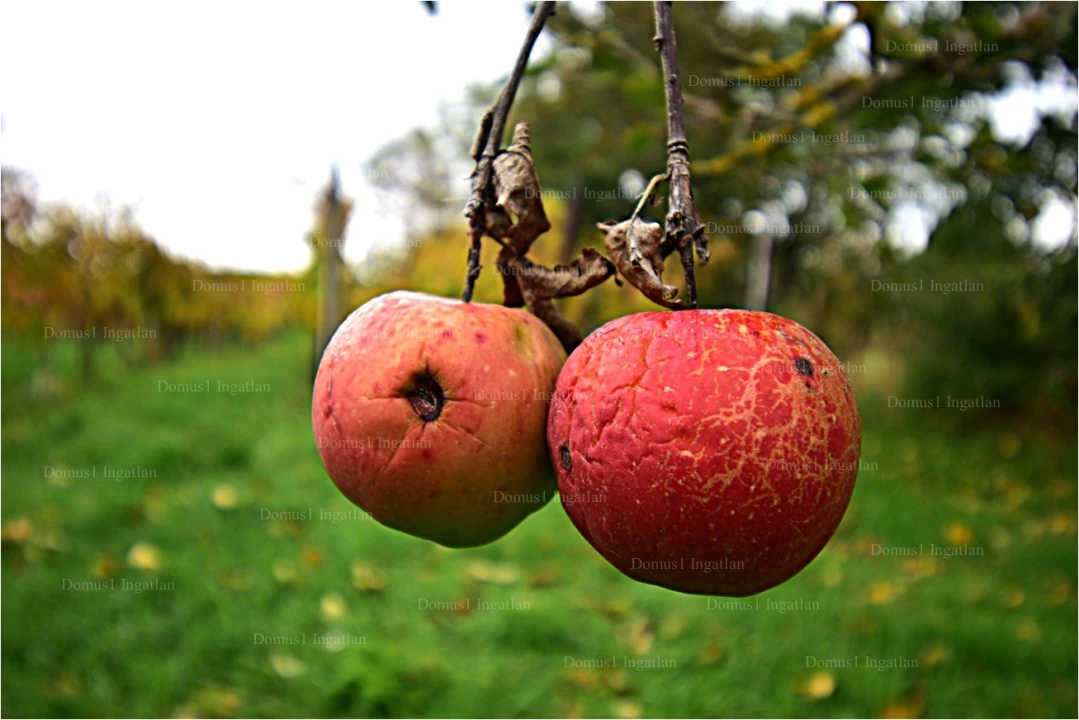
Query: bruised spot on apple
(705, 451)
(425, 396)
(431, 431)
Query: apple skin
(478, 464)
(706, 451)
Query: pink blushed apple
(430, 414)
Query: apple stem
(515, 225)
(684, 230)
(486, 145)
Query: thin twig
(490, 138)
(649, 192)
(684, 229)
(633, 245)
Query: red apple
(706, 451)
(430, 414)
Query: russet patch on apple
(725, 444)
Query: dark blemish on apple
(447, 335)
(481, 338)
(426, 397)
(802, 365)
(564, 458)
(426, 454)
(435, 494)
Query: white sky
(218, 122)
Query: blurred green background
(931, 249)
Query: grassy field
(161, 592)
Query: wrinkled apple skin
(705, 451)
(469, 475)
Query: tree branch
(486, 146)
(818, 103)
(684, 229)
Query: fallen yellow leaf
(585, 677)
(904, 709)
(573, 712)
(881, 593)
(144, 556)
(673, 626)
(864, 545)
(284, 571)
(225, 497)
(17, 531)
(493, 573)
(211, 702)
(543, 578)
(639, 636)
(618, 682)
(921, 566)
(285, 665)
(832, 576)
(333, 607)
(1062, 524)
(819, 686)
(367, 578)
(959, 534)
(935, 653)
(710, 654)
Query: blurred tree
(327, 239)
(859, 141)
(67, 274)
(415, 181)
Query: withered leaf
(517, 215)
(584, 273)
(539, 285)
(517, 195)
(634, 246)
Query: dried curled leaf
(517, 216)
(581, 275)
(517, 191)
(635, 248)
(539, 285)
(510, 210)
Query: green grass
(992, 634)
